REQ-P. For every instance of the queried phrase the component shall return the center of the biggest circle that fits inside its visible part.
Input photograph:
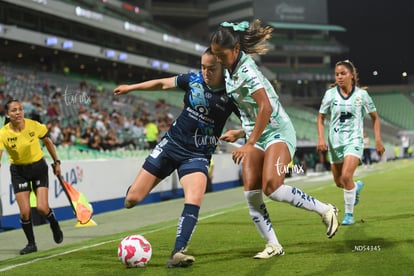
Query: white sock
(298, 198)
(260, 216)
(349, 198)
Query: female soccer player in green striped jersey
(270, 135)
(347, 103)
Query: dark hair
(208, 51)
(7, 107)
(252, 40)
(351, 67)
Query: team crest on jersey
(31, 133)
(358, 100)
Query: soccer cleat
(270, 251)
(178, 259)
(57, 233)
(359, 185)
(348, 219)
(30, 248)
(330, 219)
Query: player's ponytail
(251, 37)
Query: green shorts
(286, 134)
(337, 155)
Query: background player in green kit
(270, 136)
(347, 104)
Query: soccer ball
(134, 251)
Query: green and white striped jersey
(242, 83)
(346, 124)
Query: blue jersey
(198, 128)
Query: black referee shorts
(22, 175)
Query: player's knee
(131, 200)
(271, 185)
(24, 217)
(128, 204)
(42, 208)
(346, 178)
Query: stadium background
(63, 59)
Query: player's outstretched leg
(298, 198)
(185, 229)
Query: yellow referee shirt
(23, 147)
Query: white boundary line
(105, 242)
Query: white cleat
(330, 219)
(270, 251)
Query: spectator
(367, 150)
(151, 133)
(405, 143)
(55, 132)
(53, 110)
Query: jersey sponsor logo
(205, 140)
(345, 116)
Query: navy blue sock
(186, 226)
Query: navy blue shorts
(22, 175)
(168, 156)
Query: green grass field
(380, 243)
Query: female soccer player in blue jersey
(187, 146)
(270, 136)
(20, 138)
(347, 104)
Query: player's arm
(377, 133)
(1, 154)
(233, 135)
(52, 151)
(321, 146)
(156, 84)
(263, 115)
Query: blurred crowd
(89, 117)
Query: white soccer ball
(134, 251)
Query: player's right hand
(121, 89)
(321, 146)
